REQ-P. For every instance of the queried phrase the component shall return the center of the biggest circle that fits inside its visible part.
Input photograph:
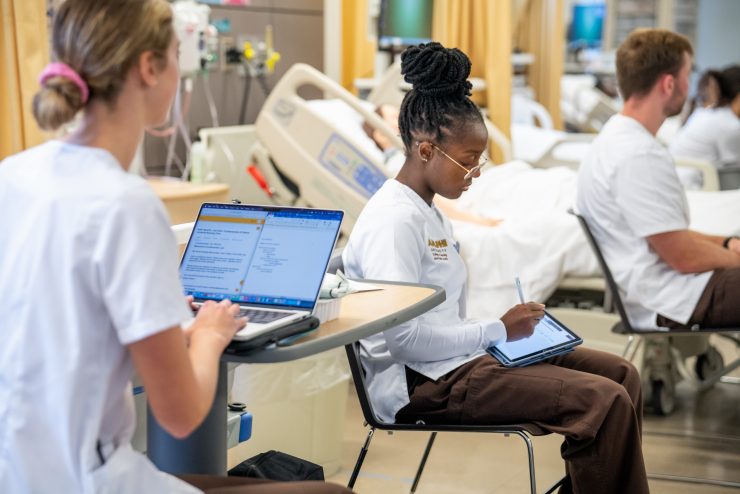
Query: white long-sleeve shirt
(398, 237)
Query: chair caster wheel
(708, 363)
(662, 400)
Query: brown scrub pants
(592, 398)
(719, 305)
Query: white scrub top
(88, 265)
(628, 190)
(711, 134)
(399, 237)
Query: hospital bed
(582, 105)
(328, 164)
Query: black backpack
(275, 465)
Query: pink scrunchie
(59, 69)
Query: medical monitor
(404, 23)
(259, 255)
(587, 25)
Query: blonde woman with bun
(89, 283)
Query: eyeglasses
(469, 172)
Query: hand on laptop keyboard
(221, 320)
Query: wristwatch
(726, 243)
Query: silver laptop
(270, 260)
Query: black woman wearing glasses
(435, 367)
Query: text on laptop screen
(256, 255)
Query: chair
(709, 366)
(358, 378)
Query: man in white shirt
(631, 197)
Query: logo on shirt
(438, 249)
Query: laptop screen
(259, 255)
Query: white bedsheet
(538, 240)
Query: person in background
(707, 94)
(89, 274)
(631, 197)
(712, 131)
(435, 367)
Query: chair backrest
(358, 378)
(610, 283)
(355, 365)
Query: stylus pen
(519, 289)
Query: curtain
(24, 52)
(541, 31)
(482, 29)
(358, 49)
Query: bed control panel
(351, 166)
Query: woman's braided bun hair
(434, 70)
(439, 98)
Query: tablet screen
(548, 333)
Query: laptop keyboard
(263, 316)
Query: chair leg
(361, 458)
(423, 463)
(530, 455)
(630, 342)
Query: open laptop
(270, 260)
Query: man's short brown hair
(645, 56)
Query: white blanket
(538, 240)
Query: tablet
(550, 338)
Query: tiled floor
(701, 439)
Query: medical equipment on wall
(259, 59)
(198, 48)
(193, 31)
